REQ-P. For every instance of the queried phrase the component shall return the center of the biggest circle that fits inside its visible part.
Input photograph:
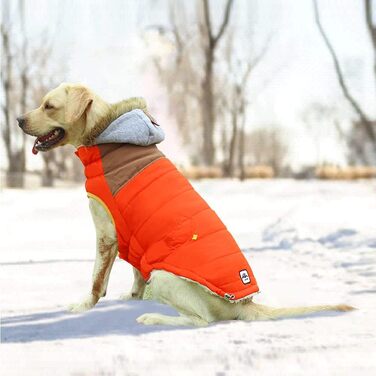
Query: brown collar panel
(121, 162)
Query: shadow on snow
(107, 318)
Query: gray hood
(133, 127)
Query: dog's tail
(253, 311)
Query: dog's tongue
(34, 150)
(40, 139)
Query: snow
(308, 242)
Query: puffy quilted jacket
(161, 221)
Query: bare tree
(15, 151)
(42, 78)
(319, 119)
(24, 64)
(189, 74)
(371, 27)
(235, 104)
(210, 41)
(26, 75)
(179, 71)
(200, 90)
(235, 99)
(266, 146)
(366, 124)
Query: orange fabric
(163, 223)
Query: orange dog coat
(162, 222)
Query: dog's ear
(78, 102)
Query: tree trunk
(15, 173)
(242, 150)
(47, 174)
(207, 112)
(365, 121)
(16, 157)
(208, 104)
(368, 6)
(47, 178)
(228, 170)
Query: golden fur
(81, 113)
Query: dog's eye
(48, 106)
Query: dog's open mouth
(47, 141)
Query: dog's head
(60, 119)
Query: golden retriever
(73, 114)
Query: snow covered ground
(308, 243)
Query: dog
(73, 114)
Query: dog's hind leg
(105, 256)
(196, 306)
(138, 288)
(199, 307)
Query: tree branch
(213, 39)
(370, 26)
(368, 5)
(208, 22)
(262, 53)
(363, 117)
(177, 35)
(224, 22)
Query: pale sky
(98, 43)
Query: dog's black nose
(21, 122)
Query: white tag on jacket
(245, 277)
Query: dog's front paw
(85, 305)
(131, 296)
(126, 296)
